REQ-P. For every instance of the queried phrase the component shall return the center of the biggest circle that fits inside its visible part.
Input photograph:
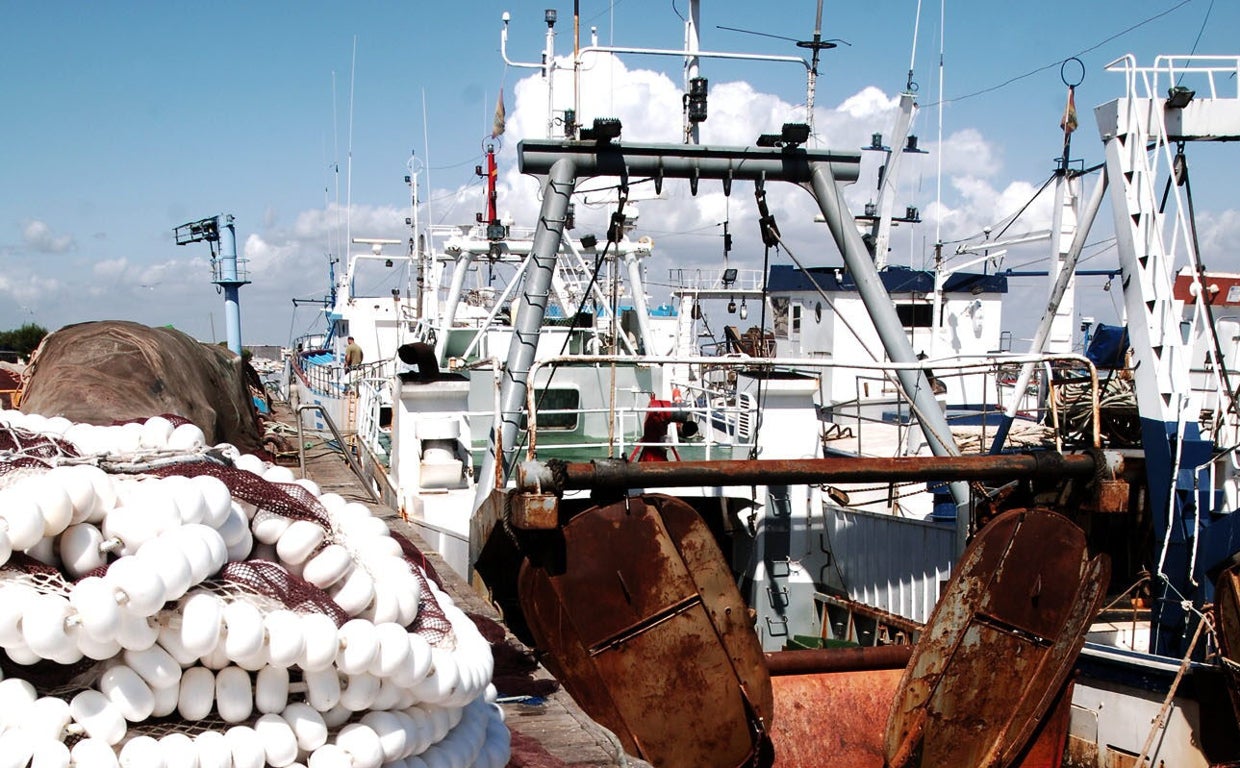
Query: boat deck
(548, 731)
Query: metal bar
(827, 660)
(878, 304)
(301, 447)
(1058, 291)
(615, 475)
(680, 161)
(561, 179)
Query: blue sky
(125, 119)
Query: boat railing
(625, 422)
(734, 279)
(626, 439)
(987, 382)
(333, 379)
(373, 392)
(1209, 73)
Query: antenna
(348, 218)
(219, 233)
(815, 45)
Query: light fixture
(549, 16)
(744, 310)
(1179, 97)
(696, 312)
(731, 306)
(387, 263)
(695, 100)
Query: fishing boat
(835, 484)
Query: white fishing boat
(834, 549)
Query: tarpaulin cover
(1108, 347)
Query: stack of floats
(166, 604)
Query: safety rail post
(301, 447)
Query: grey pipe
(561, 178)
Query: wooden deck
(547, 733)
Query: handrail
(301, 446)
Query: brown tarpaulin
(116, 371)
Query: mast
(692, 46)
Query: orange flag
(497, 127)
(1069, 123)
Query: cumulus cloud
(38, 236)
(1219, 235)
(687, 228)
(28, 288)
(110, 268)
(968, 153)
(287, 251)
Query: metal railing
(344, 451)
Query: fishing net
(432, 623)
(285, 499)
(46, 676)
(15, 440)
(101, 372)
(272, 580)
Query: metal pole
(621, 475)
(1066, 272)
(229, 282)
(890, 330)
(692, 46)
(547, 236)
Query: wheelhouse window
(557, 409)
(918, 315)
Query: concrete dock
(548, 731)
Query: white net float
(196, 614)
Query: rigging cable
(1045, 67)
(772, 239)
(912, 56)
(616, 230)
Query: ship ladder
(350, 420)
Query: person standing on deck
(352, 354)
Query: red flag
(1069, 123)
(497, 127)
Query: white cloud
(293, 251)
(968, 153)
(38, 236)
(110, 268)
(26, 288)
(1219, 236)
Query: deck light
(1179, 97)
(744, 310)
(731, 306)
(695, 100)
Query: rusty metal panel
(1113, 496)
(832, 720)
(836, 719)
(999, 646)
(645, 628)
(535, 511)
(1227, 625)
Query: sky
(124, 119)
